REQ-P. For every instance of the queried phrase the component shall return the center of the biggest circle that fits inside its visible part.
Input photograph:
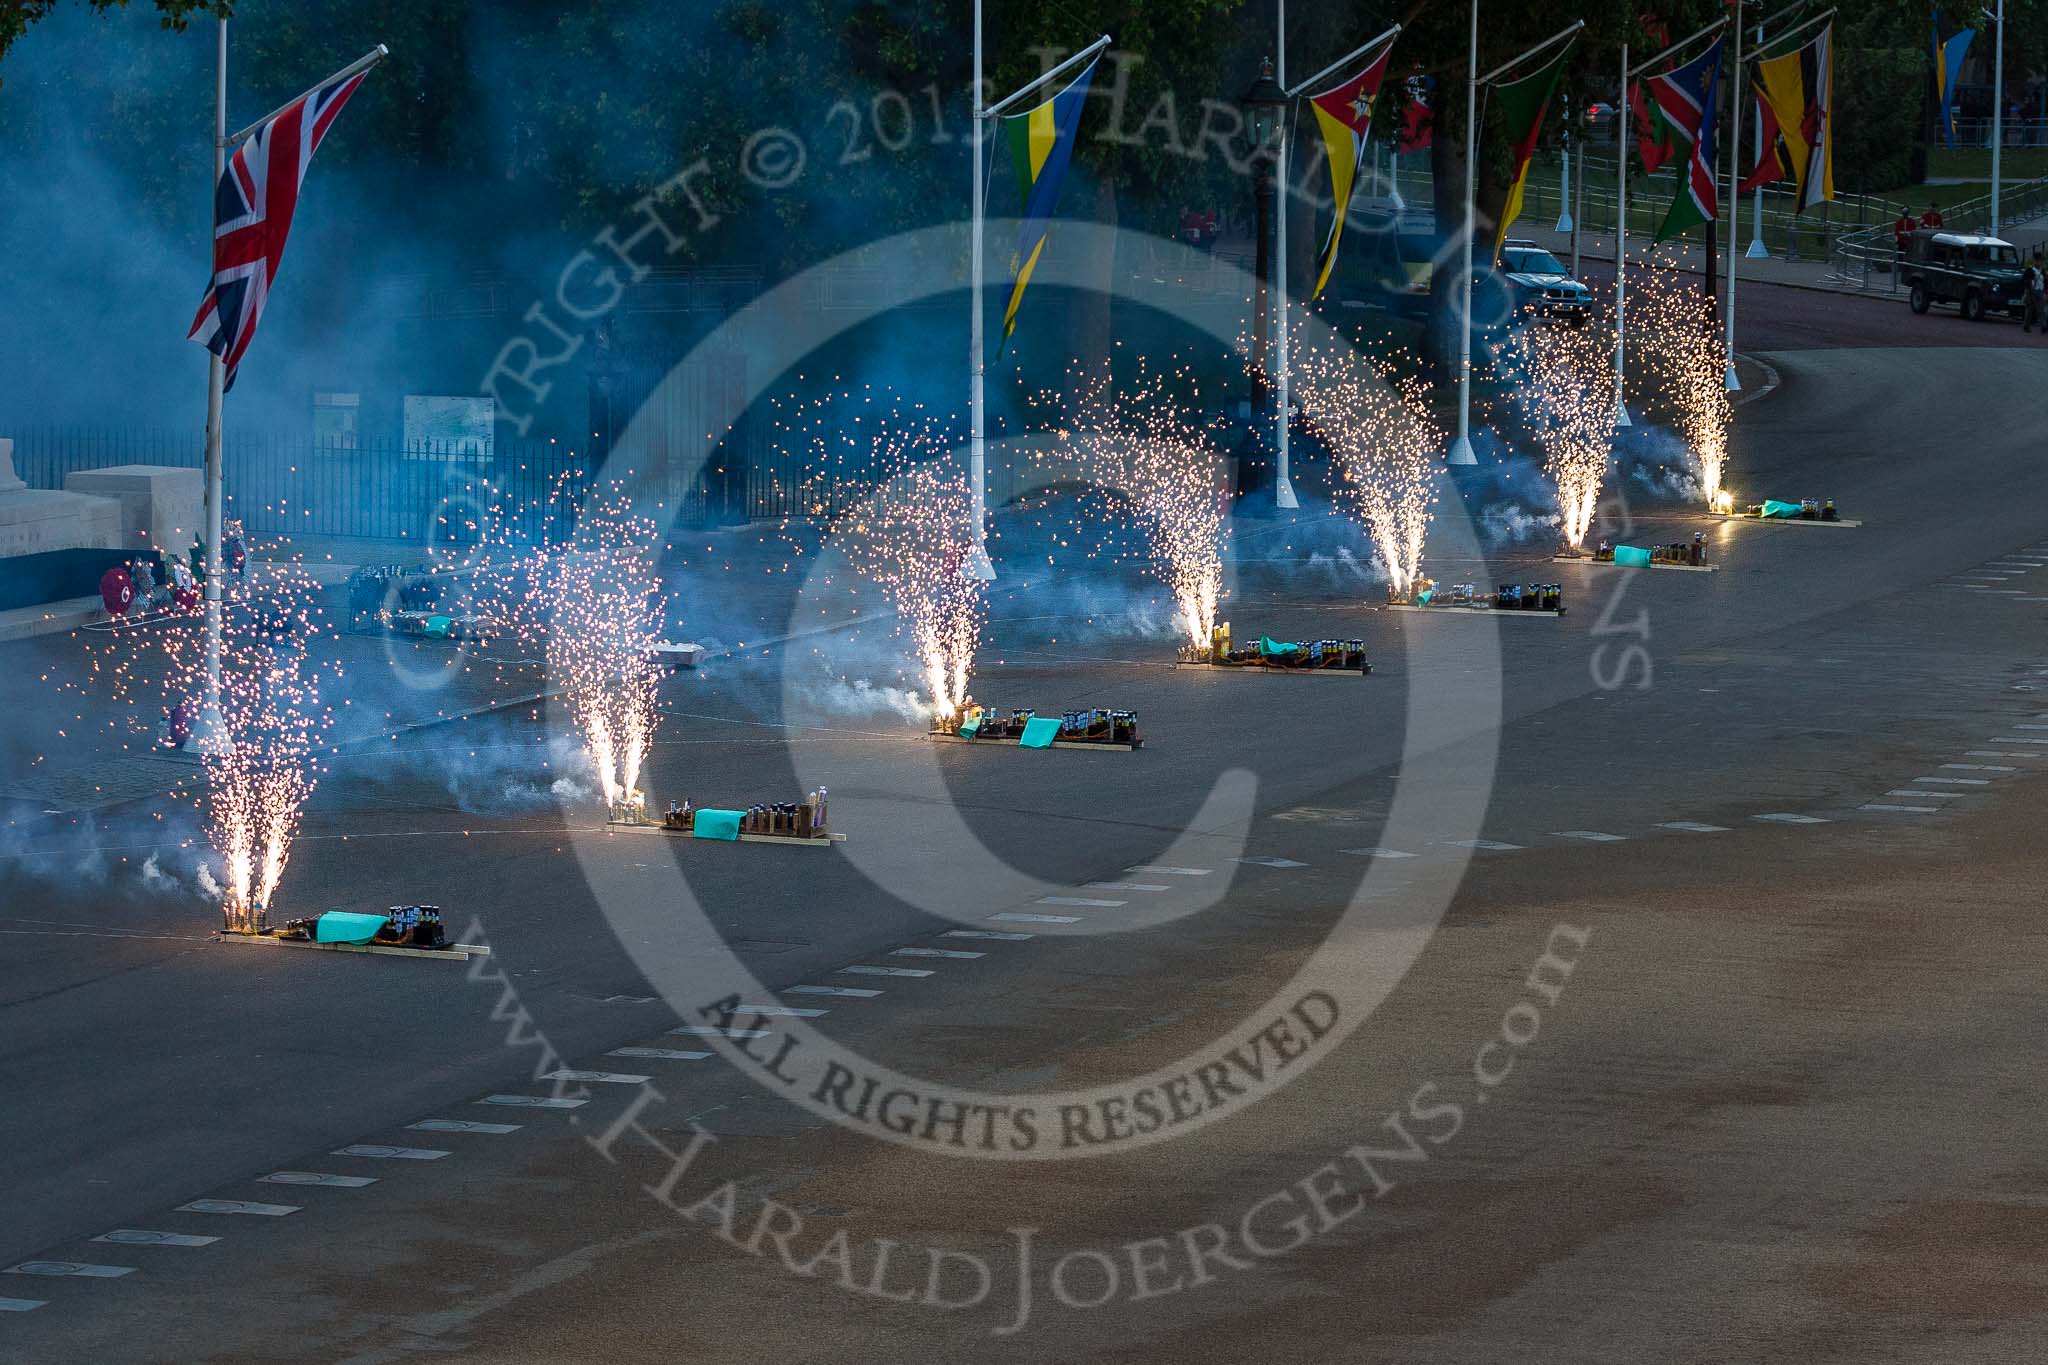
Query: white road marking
(2015, 739)
(864, 970)
(21, 1305)
(1592, 835)
(461, 1126)
(1693, 827)
(2029, 726)
(1170, 871)
(1982, 767)
(846, 992)
(1263, 860)
(1079, 900)
(659, 1054)
(1018, 917)
(1788, 818)
(243, 1206)
(956, 954)
(2030, 599)
(1378, 853)
(1123, 886)
(377, 1151)
(996, 934)
(570, 1073)
(1916, 810)
(1491, 845)
(713, 1031)
(78, 1268)
(140, 1237)
(1954, 781)
(1999, 753)
(535, 1101)
(342, 1182)
(780, 1011)
(1946, 796)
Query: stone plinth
(35, 520)
(159, 505)
(8, 481)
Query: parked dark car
(1979, 275)
(1541, 284)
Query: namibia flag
(1041, 143)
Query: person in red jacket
(1931, 218)
(1902, 232)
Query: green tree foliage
(175, 14)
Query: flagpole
(1622, 129)
(1283, 486)
(209, 734)
(1997, 109)
(1461, 449)
(978, 564)
(1731, 381)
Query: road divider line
(846, 992)
(659, 1054)
(1914, 810)
(144, 1237)
(954, 954)
(462, 1126)
(995, 935)
(1171, 871)
(569, 1073)
(377, 1151)
(324, 1178)
(865, 970)
(1591, 836)
(1954, 781)
(1124, 886)
(1784, 817)
(1020, 917)
(714, 1031)
(243, 1207)
(534, 1101)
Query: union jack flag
(252, 216)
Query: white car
(1541, 284)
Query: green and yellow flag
(1041, 143)
(1523, 105)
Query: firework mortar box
(1678, 555)
(1805, 512)
(1532, 600)
(1092, 729)
(1330, 658)
(802, 823)
(401, 931)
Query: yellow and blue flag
(1041, 142)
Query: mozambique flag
(1799, 87)
(1041, 142)
(1344, 114)
(1685, 100)
(1524, 104)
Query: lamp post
(1264, 104)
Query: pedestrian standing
(2035, 304)
(1931, 218)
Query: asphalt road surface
(1672, 986)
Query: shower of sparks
(1673, 328)
(913, 536)
(1381, 436)
(1567, 400)
(597, 608)
(265, 760)
(1140, 443)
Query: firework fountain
(258, 770)
(1141, 443)
(1567, 400)
(1673, 328)
(913, 537)
(598, 606)
(1378, 427)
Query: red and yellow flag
(1524, 104)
